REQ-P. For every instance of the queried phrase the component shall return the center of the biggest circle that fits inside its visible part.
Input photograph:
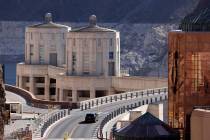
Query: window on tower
(41, 54)
(111, 42)
(31, 49)
(74, 59)
(111, 55)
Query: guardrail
(109, 117)
(161, 96)
(45, 120)
(88, 104)
(33, 101)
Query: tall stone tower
(45, 43)
(93, 51)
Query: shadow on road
(84, 122)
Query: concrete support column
(57, 95)
(17, 81)
(31, 87)
(20, 82)
(92, 93)
(47, 88)
(61, 95)
(74, 96)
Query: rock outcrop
(123, 11)
(2, 105)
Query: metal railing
(53, 118)
(161, 96)
(88, 104)
(45, 120)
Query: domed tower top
(48, 23)
(48, 17)
(93, 27)
(93, 20)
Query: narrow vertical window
(73, 62)
(31, 52)
(111, 68)
(31, 49)
(41, 54)
(111, 55)
(111, 42)
(85, 62)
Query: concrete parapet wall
(118, 83)
(33, 101)
(53, 71)
(138, 83)
(84, 83)
(27, 70)
(107, 85)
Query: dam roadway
(75, 126)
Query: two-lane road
(74, 126)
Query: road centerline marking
(73, 130)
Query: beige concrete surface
(200, 124)
(75, 65)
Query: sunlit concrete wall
(68, 87)
(200, 124)
(44, 39)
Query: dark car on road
(91, 117)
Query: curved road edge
(51, 127)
